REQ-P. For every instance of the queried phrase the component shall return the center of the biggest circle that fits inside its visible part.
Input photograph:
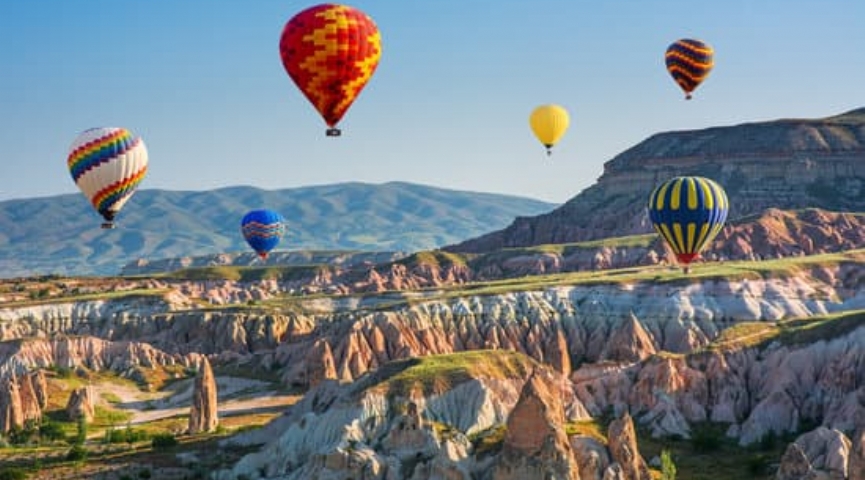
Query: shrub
(163, 440)
(705, 440)
(768, 441)
(51, 431)
(668, 468)
(125, 435)
(758, 464)
(81, 434)
(77, 453)
(12, 473)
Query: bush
(77, 453)
(758, 464)
(163, 440)
(705, 440)
(668, 468)
(12, 473)
(768, 441)
(81, 433)
(51, 431)
(126, 435)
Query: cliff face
(786, 164)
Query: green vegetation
(434, 258)
(739, 270)
(44, 299)
(798, 331)
(589, 428)
(164, 441)
(745, 334)
(668, 468)
(727, 459)
(438, 373)
(12, 473)
(809, 330)
(489, 441)
(247, 274)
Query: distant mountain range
(787, 164)
(61, 234)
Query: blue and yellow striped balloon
(688, 212)
(689, 62)
(262, 229)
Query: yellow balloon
(549, 123)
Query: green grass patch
(439, 373)
(489, 441)
(108, 417)
(434, 258)
(745, 334)
(112, 295)
(589, 428)
(810, 330)
(710, 455)
(248, 274)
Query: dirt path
(267, 401)
(236, 396)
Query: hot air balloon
(688, 212)
(330, 52)
(107, 164)
(262, 229)
(689, 62)
(549, 123)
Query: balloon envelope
(689, 62)
(549, 123)
(330, 52)
(262, 229)
(688, 212)
(107, 164)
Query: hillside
(785, 164)
(710, 364)
(61, 234)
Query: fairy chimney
(203, 414)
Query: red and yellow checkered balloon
(330, 51)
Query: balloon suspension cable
(333, 132)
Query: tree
(668, 468)
(81, 435)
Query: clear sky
(202, 83)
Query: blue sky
(202, 83)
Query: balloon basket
(333, 132)
(107, 225)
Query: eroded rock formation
(536, 445)
(81, 404)
(203, 412)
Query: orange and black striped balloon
(689, 62)
(330, 52)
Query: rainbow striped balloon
(262, 230)
(689, 62)
(688, 212)
(107, 164)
